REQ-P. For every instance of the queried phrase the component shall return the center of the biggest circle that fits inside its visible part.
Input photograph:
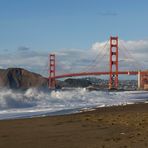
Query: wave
(14, 104)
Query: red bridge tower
(52, 64)
(113, 81)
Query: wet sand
(112, 127)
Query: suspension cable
(131, 56)
(98, 56)
(124, 53)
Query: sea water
(33, 102)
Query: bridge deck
(95, 74)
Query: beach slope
(111, 127)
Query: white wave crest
(36, 102)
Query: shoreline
(115, 126)
(71, 111)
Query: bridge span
(113, 72)
(95, 74)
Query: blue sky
(39, 26)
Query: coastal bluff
(18, 78)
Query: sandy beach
(110, 127)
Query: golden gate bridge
(113, 72)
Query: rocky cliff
(17, 78)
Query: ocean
(33, 102)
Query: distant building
(143, 80)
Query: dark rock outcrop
(77, 83)
(17, 78)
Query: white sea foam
(40, 103)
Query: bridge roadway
(96, 74)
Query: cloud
(30, 60)
(80, 60)
(23, 48)
(5, 50)
(140, 44)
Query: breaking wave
(35, 102)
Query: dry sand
(112, 127)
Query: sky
(76, 30)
